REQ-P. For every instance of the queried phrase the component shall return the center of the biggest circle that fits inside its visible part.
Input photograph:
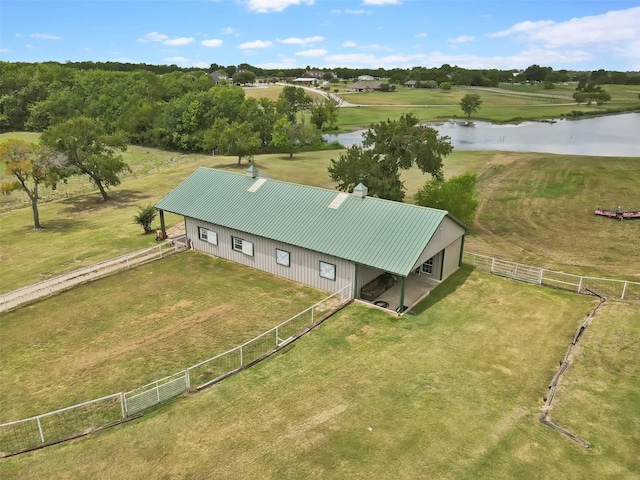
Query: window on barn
(283, 257)
(327, 270)
(427, 267)
(240, 245)
(208, 235)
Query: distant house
(391, 253)
(218, 77)
(364, 86)
(411, 83)
(304, 81)
(366, 78)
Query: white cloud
(336, 11)
(201, 65)
(381, 2)
(349, 43)
(357, 12)
(421, 35)
(44, 36)
(214, 42)
(317, 52)
(177, 60)
(301, 41)
(266, 6)
(178, 42)
(284, 63)
(5, 50)
(256, 44)
(615, 27)
(461, 39)
(153, 37)
(227, 31)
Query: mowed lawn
(453, 391)
(539, 209)
(135, 327)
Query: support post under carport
(162, 227)
(401, 307)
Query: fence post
(122, 407)
(158, 391)
(313, 308)
(49, 285)
(40, 430)
(541, 275)
(241, 357)
(277, 337)
(493, 263)
(580, 285)
(127, 261)
(624, 290)
(187, 379)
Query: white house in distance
(391, 253)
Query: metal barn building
(392, 253)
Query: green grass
(129, 329)
(539, 209)
(535, 208)
(451, 392)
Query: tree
(233, 138)
(293, 100)
(588, 92)
(387, 148)
(470, 103)
(145, 217)
(446, 86)
(324, 111)
(289, 135)
(456, 195)
(244, 77)
(88, 150)
(33, 166)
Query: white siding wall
(447, 233)
(451, 258)
(305, 264)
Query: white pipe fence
(611, 288)
(57, 284)
(68, 422)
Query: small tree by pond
(470, 103)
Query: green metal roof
(379, 233)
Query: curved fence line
(66, 423)
(611, 288)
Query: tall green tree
(324, 111)
(293, 100)
(233, 138)
(32, 166)
(387, 148)
(470, 103)
(455, 195)
(291, 136)
(89, 150)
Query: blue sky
(505, 34)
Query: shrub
(145, 217)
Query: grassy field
(451, 392)
(534, 208)
(130, 329)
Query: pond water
(610, 135)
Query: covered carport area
(399, 293)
